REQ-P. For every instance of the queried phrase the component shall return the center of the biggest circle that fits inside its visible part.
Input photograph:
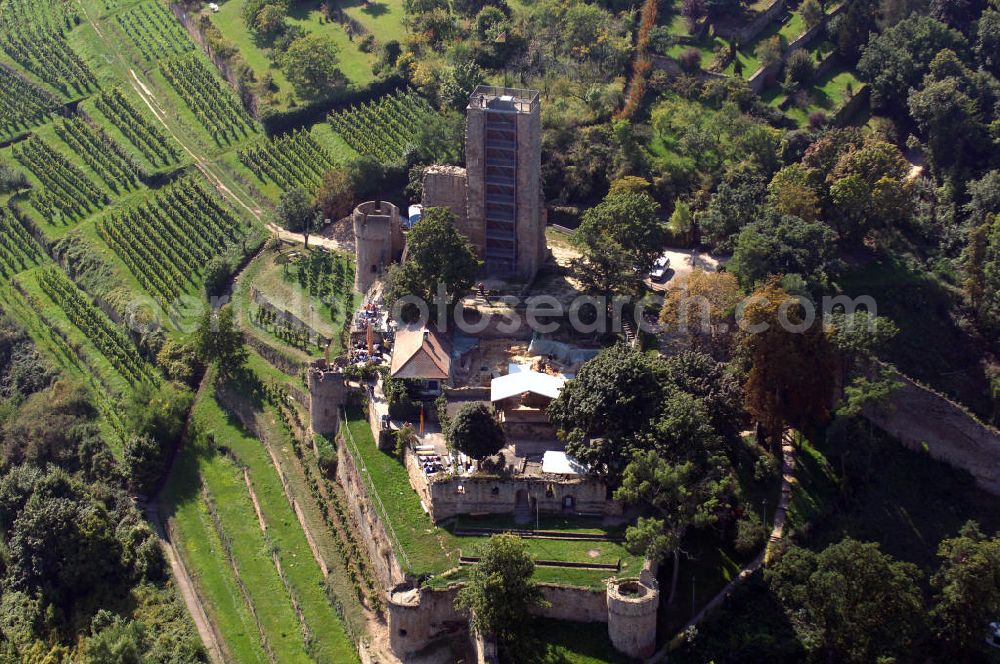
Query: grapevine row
(167, 241)
(154, 30)
(18, 250)
(32, 32)
(22, 103)
(355, 561)
(214, 104)
(100, 153)
(109, 339)
(140, 132)
(385, 128)
(67, 191)
(292, 160)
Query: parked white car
(993, 635)
(660, 268)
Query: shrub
(750, 533)
(817, 119)
(690, 60)
(799, 68)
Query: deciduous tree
(790, 381)
(311, 66)
(475, 432)
(620, 239)
(436, 254)
(967, 588)
(500, 596)
(850, 602)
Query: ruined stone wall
(327, 393)
(585, 605)
(632, 609)
(418, 617)
(496, 495)
(447, 187)
(378, 240)
(373, 534)
(924, 420)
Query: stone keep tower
(632, 605)
(503, 161)
(327, 393)
(378, 241)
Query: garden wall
(452, 496)
(420, 616)
(748, 33)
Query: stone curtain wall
(498, 495)
(922, 419)
(387, 568)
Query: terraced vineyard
(32, 33)
(154, 31)
(214, 105)
(292, 160)
(105, 335)
(232, 517)
(18, 250)
(166, 242)
(147, 138)
(67, 193)
(385, 128)
(23, 104)
(100, 153)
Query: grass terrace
(276, 275)
(827, 95)
(218, 453)
(432, 550)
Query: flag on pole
(421, 419)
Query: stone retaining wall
(377, 544)
(924, 420)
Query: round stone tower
(327, 392)
(378, 240)
(632, 605)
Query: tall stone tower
(327, 393)
(378, 241)
(503, 161)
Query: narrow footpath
(777, 532)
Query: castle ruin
(497, 197)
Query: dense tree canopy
(896, 60)
(500, 595)
(475, 431)
(967, 588)
(311, 66)
(438, 256)
(850, 602)
(620, 239)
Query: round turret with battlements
(632, 605)
(378, 241)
